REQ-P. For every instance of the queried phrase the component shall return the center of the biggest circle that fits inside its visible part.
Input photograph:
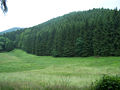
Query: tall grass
(28, 86)
(19, 69)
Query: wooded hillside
(85, 33)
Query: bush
(108, 83)
(55, 53)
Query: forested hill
(85, 33)
(11, 30)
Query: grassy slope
(20, 67)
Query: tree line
(94, 32)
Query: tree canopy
(85, 33)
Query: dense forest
(94, 32)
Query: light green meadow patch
(18, 66)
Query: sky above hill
(27, 13)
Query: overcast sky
(27, 13)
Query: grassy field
(21, 70)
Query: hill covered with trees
(11, 30)
(94, 32)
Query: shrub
(55, 53)
(108, 83)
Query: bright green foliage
(87, 33)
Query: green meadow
(22, 71)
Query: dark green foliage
(2, 43)
(88, 33)
(79, 47)
(9, 45)
(6, 44)
(108, 83)
(55, 53)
